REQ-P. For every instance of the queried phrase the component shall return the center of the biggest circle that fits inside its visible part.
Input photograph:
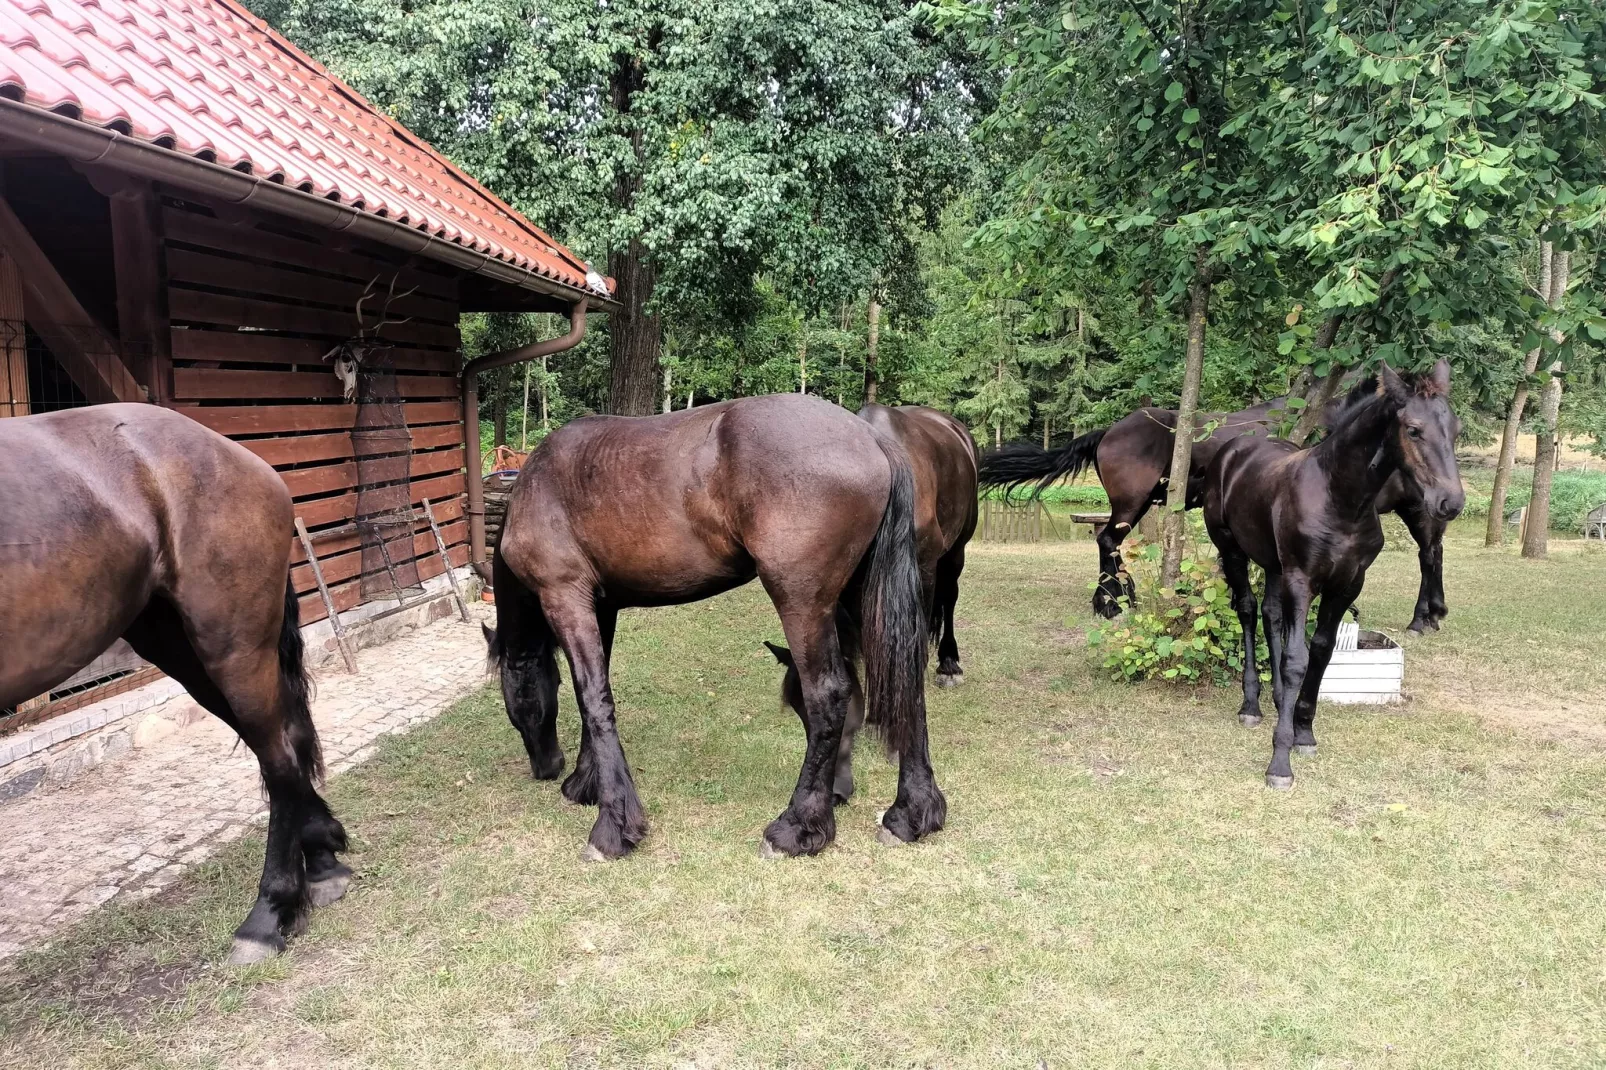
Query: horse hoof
(1279, 783)
(1249, 720)
(250, 952)
(590, 853)
(330, 889)
(1307, 749)
(768, 850)
(950, 679)
(888, 837)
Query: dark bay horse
(613, 512)
(1133, 460)
(943, 457)
(1309, 518)
(136, 521)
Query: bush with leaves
(1188, 634)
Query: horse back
(670, 508)
(108, 505)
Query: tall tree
(692, 143)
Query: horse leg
(1422, 530)
(243, 690)
(792, 696)
(1334, 603)
(581, 786)
(621, 822)
(525, 650)
(1296, 599)
(1437, 607)
(808, 824)
(1271, 615)
(949, 673)
(1235, 564)
(1115, 583)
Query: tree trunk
(524, 413)
(499, 407)
(633, 334)
(1046, 422)
(668, 379)
(803, 361)
(1536, 536)
(545, 426)
(870, 380)
(1174, 523)
(1495, 533)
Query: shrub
(1189, 634)
(1572, 494)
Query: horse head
(1424, 436)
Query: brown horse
(177, 540)
(1133, 460)
(613, 512)
(944, 459)
(1309, 519)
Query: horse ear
(782, 655)
(1437, 382)
(1390, 384)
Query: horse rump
(1019, 463)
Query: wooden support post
(446, 561)
(85, 351)
(140, 258)
(13, 341)
(328, 603)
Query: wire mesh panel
(383, 448)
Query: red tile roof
(208, 79)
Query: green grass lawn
(1115, 886)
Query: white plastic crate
(1372, 674)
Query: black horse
(1309, 518)
(943, 457)
(613, 512)
(1133, 460)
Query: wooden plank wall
(253, 312)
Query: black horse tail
(893, 624)
(295, 687)
(1019, 463)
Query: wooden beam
(86, 352)
(139, 257)
(13, 341)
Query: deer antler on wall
(349, 354)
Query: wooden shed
(191, 210)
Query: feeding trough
(1367, 667)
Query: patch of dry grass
(1115, 886)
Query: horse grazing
(613, 512)
(177, 540)
(1133, 460)
(1309, 518)
(943, 457)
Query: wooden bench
(1095, 521)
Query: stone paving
(133, 825)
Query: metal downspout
(471, 424)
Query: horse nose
(1450, 505)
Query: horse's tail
(1019, 463)
(893, 626)
(295, 686)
